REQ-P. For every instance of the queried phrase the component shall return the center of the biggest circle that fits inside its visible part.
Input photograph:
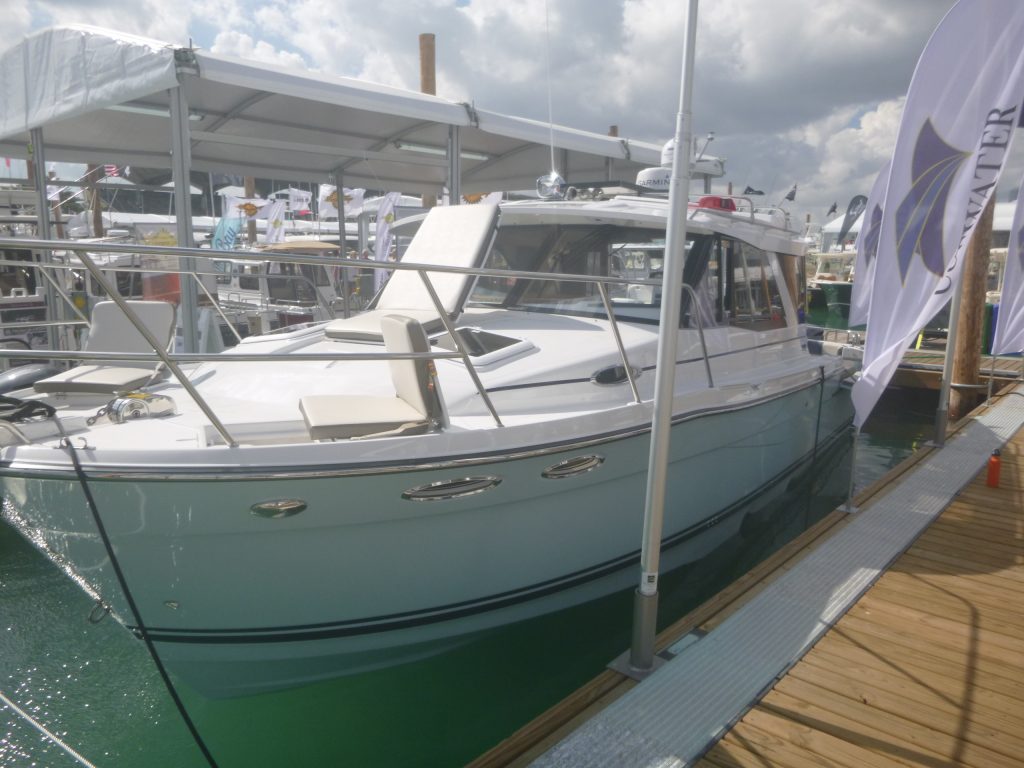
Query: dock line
(44, 730)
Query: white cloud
(241, 45)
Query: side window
(249, 279)
(701, 272)
(753, 297)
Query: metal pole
(942, 412)
(54, 308)
(181, 163)
(645, 605)
(454, 165)
(340, 194)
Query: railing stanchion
(470, 369)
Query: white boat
(326, 526)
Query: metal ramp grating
(677, 713)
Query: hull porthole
(451, 489)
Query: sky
(805, 92)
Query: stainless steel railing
(172, 360)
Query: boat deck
(892, 637)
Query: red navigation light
(716, 202)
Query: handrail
(614, 326)
(470, 368)
(171, 360)
(700, 332)
(216, 306)
(334, 261)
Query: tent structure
(107, 97)
(83, 94)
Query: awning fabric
(103, 97)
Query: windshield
(629, 253)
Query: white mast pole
(645, 605)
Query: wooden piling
(967, 353)
(428, 84)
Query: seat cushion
(339, 417)
(95, 379)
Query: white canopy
(104, 97)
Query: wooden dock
(922, 369)
(926, 668)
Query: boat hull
(362, 578)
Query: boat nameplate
(451, 489)
(577, 465)
(278, 508)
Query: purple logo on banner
(871, 235)
(919, 217)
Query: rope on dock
(43, 730)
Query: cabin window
(223, 270)
(248, 277)
(129, 284)
(752, 296)
(293, 282)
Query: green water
(96, 688)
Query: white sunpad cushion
(339, 417)
(100, 379)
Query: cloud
(241, 45)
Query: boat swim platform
(892, 636)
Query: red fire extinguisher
(994, 465)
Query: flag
(110, 170)
(752, 191)
(489, 198)
(327, 200)
(354, 201)
(246, 207)
(867, 250)
(853, 211)
(226, 233)
(274, 214)
(961, 110)
(1009, 335)
(382, 237)
(791, 195)
(834, 207)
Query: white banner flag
(867, 250)
(962, 107)
(246, 207)
(274, 215)
(382, 237)
(327, 201)
(354, 202)
(1009, 336)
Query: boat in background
(831, 285)
(468, 452)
